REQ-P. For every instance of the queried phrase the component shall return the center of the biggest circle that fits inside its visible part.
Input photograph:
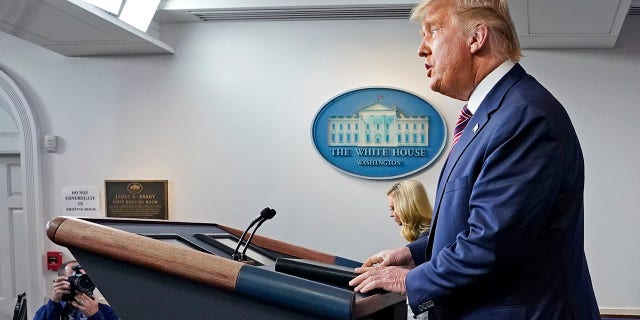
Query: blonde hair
(412, 207)
(503, 38)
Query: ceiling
(74, 28)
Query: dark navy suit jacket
(507, 238)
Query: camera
(79, 282)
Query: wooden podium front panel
(138, 293)
(162, 284)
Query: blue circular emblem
(379, 133)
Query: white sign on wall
(81, 200)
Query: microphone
(268, 215)
(265, 214)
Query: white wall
(210, 120)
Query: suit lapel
(490, 104)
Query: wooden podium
(157, 269)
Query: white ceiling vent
(370, 12)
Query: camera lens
(79, 282)
(84, 284)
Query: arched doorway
(14, 101)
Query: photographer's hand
(86, 304)
(60, 287)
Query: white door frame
(30, 155)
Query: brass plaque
(140, 199)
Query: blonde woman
(410, 208)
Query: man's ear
(478, 38)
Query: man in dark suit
(507, 237)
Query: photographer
(79, 306)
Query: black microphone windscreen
(267, 213)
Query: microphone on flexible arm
(266, 214)
(270, 214)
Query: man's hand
(60, 287)
(86, 304)
(400, 257)
(388, 278)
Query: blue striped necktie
(463, 119)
